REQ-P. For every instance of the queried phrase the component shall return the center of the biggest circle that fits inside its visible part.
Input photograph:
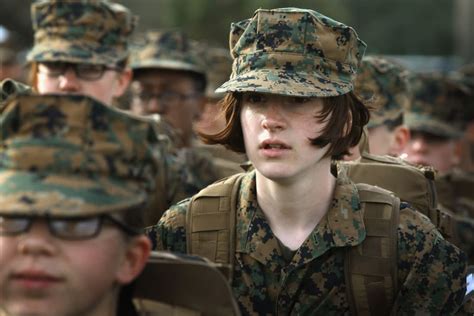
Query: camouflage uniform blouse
(431, 270)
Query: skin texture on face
(277, 132)
(111, 85)
(181, 114)
(41, 274)
(441, 154)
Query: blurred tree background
(396, 27)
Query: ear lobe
(123, 81)
(400, 140)
(135, 259)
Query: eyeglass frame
(54, 232)
(65, 66)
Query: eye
(301, 100)
(254, 98)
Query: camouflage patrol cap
(219, 68)
(71, 155)
(293, 51)
(438, 105)
(84, 31)
(384, 85)
(167, 50)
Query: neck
(293, 207)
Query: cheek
(7, 246)
(107, 254)
(46, 84)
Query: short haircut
(346, 116)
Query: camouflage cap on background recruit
(85, 31)
(293, 51)
(384, 86)
(167, 50)
(219, 68)
(71, 155)
(438, 105)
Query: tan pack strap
(210, 226)
(189, 283)
(371, 269)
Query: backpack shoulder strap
(210, 221)
(371, 268)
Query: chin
(275, 172)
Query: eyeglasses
(75, 228)
(88, 72)
(167, 97)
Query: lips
(35, 279)
(273, 144)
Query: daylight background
(425, 33)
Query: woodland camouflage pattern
(431, 270)
(295, 52)
(439, 105)
(383, 85)
(167, 50)
(71, 155)
(87, 31)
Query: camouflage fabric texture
(71, 155)
(439, 105)
(167, 50)
(219, 68)
(86, 31)
(291, 51)
(431, 271)
(383, 85)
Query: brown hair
(346, 116)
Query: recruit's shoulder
(431, 269)
(170, 231)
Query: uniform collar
(342, 226)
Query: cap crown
(384, 85)
(293, 51)
(167, 50)
(80, 31)
(219, 68)
(438, 106)
(72, 155)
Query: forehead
(163, 78)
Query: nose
(418, 145)
(37, 241)
(154, 106)
(273, 118)
(68, 81)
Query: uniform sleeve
(170, 231)
(431, 270)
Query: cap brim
(65, 195)
(424, 123)
(166, 64)
(62, 51)
(286, 83)
(184, 282)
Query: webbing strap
(210, 221)
(371, 268)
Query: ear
(401, 137)
(123, 80)
(200, 107)
(135, 259)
